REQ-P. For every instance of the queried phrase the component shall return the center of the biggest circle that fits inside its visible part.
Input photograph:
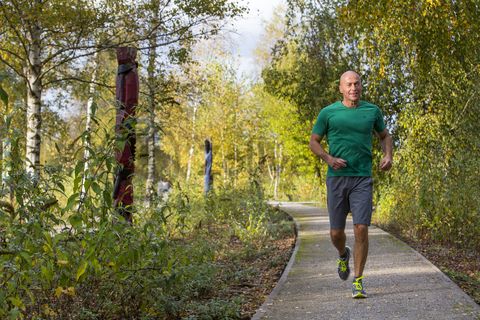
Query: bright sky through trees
(248, 32)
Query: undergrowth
(80, 261)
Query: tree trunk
(88, 126)
(151, 178)
(192, 146)
(278, 168)
(2, 156)
(235, 164)
(34, 104)
(224, 159)
(235, 148)
(6, 160)
(7, 156)
(269, 168)
(275, 159)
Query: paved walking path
(401, 283)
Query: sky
(248, 31)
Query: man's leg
(338, 239)
(361, 205)
(360, 251)
(338, 209)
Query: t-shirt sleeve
(379, 124)
(320, 126)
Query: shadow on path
(401, 283)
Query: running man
(348, 126)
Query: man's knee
(337, 234)
(361, 232)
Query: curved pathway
(401, 283)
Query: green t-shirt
(349, 135)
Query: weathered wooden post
(208, 184)
(127, 88)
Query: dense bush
(58, 261)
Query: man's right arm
(317, 149)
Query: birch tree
(169, 29)
(151, 106)
(90, 113)
(191, 151)
(5, 145)
(37, 39)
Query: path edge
(263, 309)
(437, 269)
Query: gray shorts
(349, 194)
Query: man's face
(351, 86)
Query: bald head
(349, 74)
(351, 88)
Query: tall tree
(36, 42)
(5, 147)
(151, 106)
(90, 114)
(170, 29)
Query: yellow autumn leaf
(58, 292)
(62, 262)
(46, 248)
(48, 311)
(70, 291)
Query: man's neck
(350, 103)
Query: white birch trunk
(34, 104)
(224, 160)
(235, 148)
(269, 168)
(151, 178)
(191, 151)
(275, 184)
(235, 163)
(278, 153)
(88, 126)
(152, 130)
(6, 160)
(270, 173)
(279, 167)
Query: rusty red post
(127, 88)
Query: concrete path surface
(401, 283)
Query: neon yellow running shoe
(358, 292)
(342, 265)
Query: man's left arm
(387, 148)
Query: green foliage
(419, 63)
(424, 66)
(306, 63)
(70, 260)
